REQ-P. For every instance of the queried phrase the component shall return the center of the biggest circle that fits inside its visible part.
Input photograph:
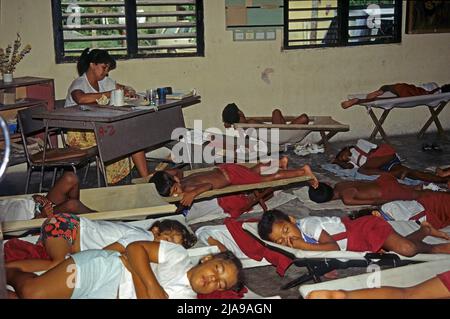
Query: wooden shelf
(12, 137)
(24, 81)
(23, 103)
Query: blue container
(162, 92)
(12, 128)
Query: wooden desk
(122, 131)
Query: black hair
(342, 151)
(229, 256)
(230, 114)
(96, 56)
(445, 88)
(189, 239)
(163, 182)
(269, 218)
(322, 194)
(361, 213)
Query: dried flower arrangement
(10, 57)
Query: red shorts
(437, 208)
(392, 190)
(383, 150)
(445, 278)
(240, 175)
(234, 204)
(367, 233)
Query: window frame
(130, 7)
(343, 8)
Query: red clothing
(254, 249)
(405, 90)
(392, 190)
(367, 233)
(437, 208)
(240, 175)
(445, 278)
(382, 150)
(16, 249)
(234, 204)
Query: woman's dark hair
(230, 114)
(189, 239)
(269, 218)
(96, 56)
(445, 88)
(322, 194)
(229, 256)
(163, 182)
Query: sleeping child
(367, 233)
(147, 270)
(68, 234)
(172, 182)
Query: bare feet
(284, 162)
(349, 103)
(442, 173)
(332, 274)
(326, 294)
(434, 232)
(314, 182)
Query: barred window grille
(322, 23)
(128, 28)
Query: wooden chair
(52, 157)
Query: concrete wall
(312, 81)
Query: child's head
(277, 227)
(166, 184)
(343, 156)
(230, 114)
(219, 272)
(445, 88)
(174, 232)
(322, 194)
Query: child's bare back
(216, 177)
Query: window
(128, 28)
(341, 23)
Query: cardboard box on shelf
(8, 96)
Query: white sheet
(405, 276)
(432, 100)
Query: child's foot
(434, 232)
(349, 103)
(326, 294)
(284, 162)
(42, 200)
(308, 172)
(441, 173)
(332, 274)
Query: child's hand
(188, 199)
(293, 242)
(47, 209)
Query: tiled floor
(264, 280)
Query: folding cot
(319, 263)
(434, 102)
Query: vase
(7, 77)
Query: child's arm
(139, 255)
(326, 243)
(116, 247)
(214, 242)
(348, 197)
(189, 196)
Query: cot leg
(434, 118)
(379, 125)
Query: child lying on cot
(399, 90)
(68, 234)
(433, 207)
(172, 182)
(437, 287)
(155, 270)
(371, 159)
(232, 114)
(63, 197)
(367, 233)
(384, 189)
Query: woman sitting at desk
(92, 84)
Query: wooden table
(121, 131)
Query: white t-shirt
(82, 83)
(17, 209)
(99, 234)
(170, 271)
(311, 228)
(222, 234)
(357, 158)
